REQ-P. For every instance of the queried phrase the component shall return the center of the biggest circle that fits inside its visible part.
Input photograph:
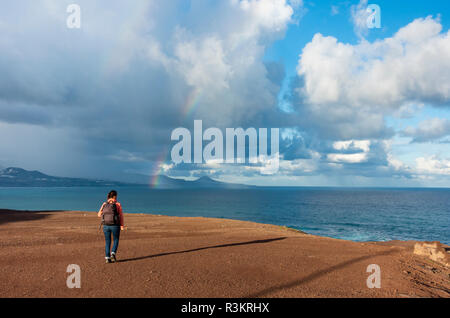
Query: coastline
(165, 256)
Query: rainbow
(154, 181)
(192, 101)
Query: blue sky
(356, 106)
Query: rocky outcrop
(433, 250)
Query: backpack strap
(103, 216)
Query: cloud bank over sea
(103, 99)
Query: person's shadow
(202, 248)
(268, 291)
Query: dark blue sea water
(353, 214)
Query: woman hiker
(112, 220)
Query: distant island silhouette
(18, 177)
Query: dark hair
(112, 194)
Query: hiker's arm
(99, 214)
(121, 216)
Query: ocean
(357, 214)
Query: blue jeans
(115, 231)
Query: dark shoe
(113, 258)
(108, 260)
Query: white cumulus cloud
(433, 165)
(428, 130)
(347, 90)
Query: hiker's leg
(116, 236)
(107, 232)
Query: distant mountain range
(18, 177)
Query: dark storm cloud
(12, 112)
(122, 82)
